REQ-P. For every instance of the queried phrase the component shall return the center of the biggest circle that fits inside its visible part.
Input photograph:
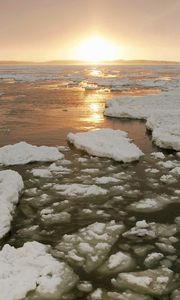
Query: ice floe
(152, 259)
(90, 246)
(158, 155)
(53, 169)
(79, 190)
(41, 173)
(160, 111)
(152, 230)
(24, 153)
(48, 216)
(100, 294)
(108, 143)
(11, 184)
(117, 262)
(151, 204)
(32, 268)
(168, 179)
(156, 282)
(106, 180)
(165, 129)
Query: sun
(95, 50)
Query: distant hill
(74, 62)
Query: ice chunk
(155, 282)
(117, 262)
(58, 169)
(85, 286)
(79, 190)
(168, 179)
(169, 164)
(128, 295)
(106, 180)
(150, 230)
(150, 204)
(23, 153)
(44, 173)
(175, 171)
(11, 184)
(50, 217)
(152, 259)
(106, 142)
(90, 246)
(97, 294)
(32, 268)
(158, 155)
(175, 295)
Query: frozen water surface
(112, 228)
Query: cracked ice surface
(90, 246)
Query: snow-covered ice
(11, 184)
(106, 180)
(155, 282)
(152, 259)
(158, 155)
(161, 112)
(32, 268)
(108, 143)
(152, 230)
(117, 262)
(41, 173)
(79, 190)
(24, 153)
(90, 246)
(165, 129)
(151, 204)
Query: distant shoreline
(80, 63)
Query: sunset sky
(41, 30)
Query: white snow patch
(118, 262)
(41, 173)
(106, 180)
(158, 155)
(23, 153)
(106, 142)
(79, 190)
(11, 184)
(151, 204)
(32, 268)
(161, 112)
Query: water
(41, 105)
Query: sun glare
(96, 49)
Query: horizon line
(80, 62)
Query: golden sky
(52, 29)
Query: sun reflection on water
(96, 113)
(96, 73)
